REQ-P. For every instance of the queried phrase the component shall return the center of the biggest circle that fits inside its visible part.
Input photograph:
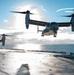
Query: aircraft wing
(39, 23)
(64, 24)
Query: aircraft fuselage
(51, 29)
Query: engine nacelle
(27, 18)
(72, 23)
(27, 24)
(72, 27)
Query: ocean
(56, 47)
(59, 48)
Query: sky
(45, 10)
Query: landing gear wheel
(54, 35)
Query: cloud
(6, 21)
(65, 9)
(43, 8)
(2, 31)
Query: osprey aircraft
(51, 28)
(3, 39)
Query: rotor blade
(18, 12)
(71, 10)
(72, 15)
(11, 33)
(67, 16)
(4, 35)
(68, 11)
(32, 13)
(21, 12)
(7, 35)
(63, 9)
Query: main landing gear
(55, 33)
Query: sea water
(59, 48)
(45, 47)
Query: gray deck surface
(34, 63)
